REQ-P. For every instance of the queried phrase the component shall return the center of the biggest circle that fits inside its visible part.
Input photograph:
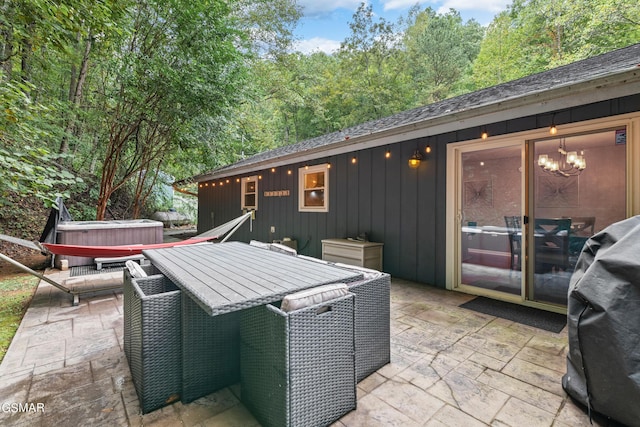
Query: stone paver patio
(450, 367)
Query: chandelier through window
(568, 163)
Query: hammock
(126, 250)
(114, 251)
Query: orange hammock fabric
(115, 251)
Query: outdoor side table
(298, 368)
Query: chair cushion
(135, 269)
(259, 244)
(277, 247)
(313, 296)
(312, 259)
(367, 273)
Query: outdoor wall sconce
(415, 160)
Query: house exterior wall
(402, 207)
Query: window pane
(250, 200)
(572, 205)
(314, 180)
(250, 187)
(491, 240)
(314, 198)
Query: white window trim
(301, 174)
(243, 182)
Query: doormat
(541, 319)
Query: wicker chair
(153, 347)
(297, 368)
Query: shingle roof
(610, 63)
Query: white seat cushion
(135, 269)
(277, 247)
(259, 244)
(313, 296)
(367, 273)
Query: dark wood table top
(225, 277)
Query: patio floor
(450, 367)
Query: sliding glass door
(524, 209)
(491, 240)
(578, 189)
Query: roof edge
(539, 102)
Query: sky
(326, 22)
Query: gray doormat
(548, 321)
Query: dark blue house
(557, 153)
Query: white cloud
(493, 6)
(321, 7)
(317, 44)
(401, 4)
(487, 6)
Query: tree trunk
(25, 57)
(75, 94)
(7, 54)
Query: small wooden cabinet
(354, 252)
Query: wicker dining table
(218, 281)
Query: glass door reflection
(491, 212)
(579, 189)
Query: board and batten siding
(382, 197)
(401, 207)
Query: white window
(249, 193)
(313, 184)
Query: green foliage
(15, 293)
(536, 35)
(369, 83)
(33, 171)
(24, 168)
(440, 51)
(126, 89)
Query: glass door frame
(454, 195)
(454, 213)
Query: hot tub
(106, 233)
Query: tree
(536, 35)
(440, 51)
(25, 168)
(369, 82)
(179, 60)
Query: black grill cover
(603, 364)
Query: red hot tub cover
(603, 318)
